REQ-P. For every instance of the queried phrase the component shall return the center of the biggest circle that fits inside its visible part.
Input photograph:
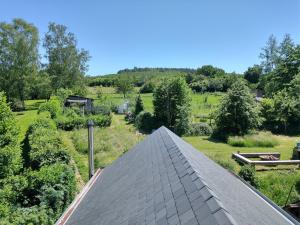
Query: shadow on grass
(34, 106)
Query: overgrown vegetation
(37, 185)
(262, 139)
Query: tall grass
(262, 139)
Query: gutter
(72, 207)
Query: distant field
(202, 104)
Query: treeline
(24, 76)
(37, 179)
(159, 69)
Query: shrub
(144, 121)
(258, 140)
(148, 87)
(238, 113)
(77, 122)
(52, 107)
(10, 153)
(101, 109)
(45, 145)
(139, 106)
(100, 120)
(200, 129)
(247, 172)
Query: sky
(123, 34)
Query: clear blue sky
(164, 33)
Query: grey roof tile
(164, 180)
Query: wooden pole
(91, 147)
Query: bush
(148, 87)
(52, 107)
(10, 152)
(258, 140)
(238, 113)
(101, 109)
(45, 145)
(139, 106)
(200, 129)
(77, 122)
(247, 173)
(144, 122)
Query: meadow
(113, 141)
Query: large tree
(172, 104)
(124, 85)
(238, 113)
(253, 74)
(18, 57)
(269, 55)
(66, 63)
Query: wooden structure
(123, 108)
(244, 158)
(86, 104)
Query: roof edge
(201, 184)
(285, 214)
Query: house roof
(164, 180)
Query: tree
(269, 55)
(238, 113)
(286, 47)
(10, 153)
(209, 70)
(172, 104)
(39, 86)
(124, 85)
(66, 63)
(19, 57)
(253, 74)
(139, 106)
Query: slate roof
(164, 180)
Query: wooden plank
(243, 159)
(257, 154)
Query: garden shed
(164, 180)
(86, 104)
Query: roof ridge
(210, 197)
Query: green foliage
(18, 58)
(75, 121)
(148, 87)
(247, 173)
(253, 74)
(238, 113)
(209, 71)
(282, 113)
(10, 153)
(62, 94)
(276, 185)
(199, 129)
(139, 106)
(144, 122)
(265, 139)
(45, 144)
(67, 64)
(124, 85)
(54, 186)
(172, 104)
(52, 107)
(40, 86)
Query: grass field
(202, 104)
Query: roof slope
(164, 180)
